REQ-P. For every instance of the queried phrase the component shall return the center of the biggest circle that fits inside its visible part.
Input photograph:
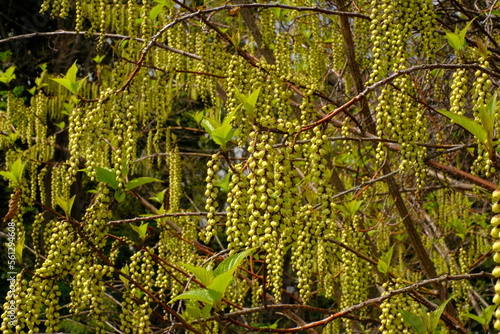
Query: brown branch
(175, 214)
(344, 312)
(96, 34)
(389, 79)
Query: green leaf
(221, 282)
(488, 313)
(19, 247)
(107, 175)
(18, 169)
(126, 271)
(481, 320)
(203, 295)
(155, 11)
(385, 261)
(414, 321)
(66, 83)
(166, 3)
(140, 181)
(7, 76)
(205, 311)
(98, 59)
(66, 205)
(352, 206)
(160, 196)
(16, 172)
(192, 309)
(436, 314)
(463, 32)
(468, 124)
(209, 125)
(71, 74)
(232, 262)
(222, 135)
(202, 274)
(454, 41)
(487, 117)
(10, 176)
(224, 183)
(140, 230)
(248, 102)
(198, 116)
(252, 100)
(229, 117)
(69, 81)
(120, 196)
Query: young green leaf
(98, 59)
(436, 314)
(248, 102)
(475, 317)
(10, 176)
(126, 271)
(159, 196)
(19, 247)
(205, 311)
(140, 181)
(7, 76)
(198, 116)
(222, 135)
(192, 310)
(120, 196)
(155, 11)
(66, 205)
(203, 295)
(415, 322)
(486, 315)
(224, 183)
(202, 274)
(487, 117)
(385, 261)
(463, 32)
(16, 172)
(232, 262)
(140, 230)
(221, 282)
(107, 175)
(468, 124)
(209, 125)
(69, 81)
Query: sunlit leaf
(202, 274)
(385, 261)
(221, 282)
(141, 230)
(7, 76)
(415, 322)
(19, 247)
(436, 314)
(232, 262)
(107, 175)
(203, 295)
(155, 11)
(120, 196)
(140, 181)
(468, 124)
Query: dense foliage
(219, 167)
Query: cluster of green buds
(495, 233)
